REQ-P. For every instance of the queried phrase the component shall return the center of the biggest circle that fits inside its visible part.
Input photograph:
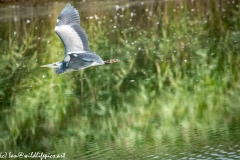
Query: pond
(173, 95)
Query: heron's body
(74, 38)
(79, 60)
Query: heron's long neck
(61, 68)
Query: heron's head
(53, 65)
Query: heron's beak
(54, 65)
(47, 66)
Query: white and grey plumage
(74, 38)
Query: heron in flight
(77, 53)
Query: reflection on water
(175, 94)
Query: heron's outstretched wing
(69, 30)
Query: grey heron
(77, 53)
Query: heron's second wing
(84, 60)
(69, 30)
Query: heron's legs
(111, 61)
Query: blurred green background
(175, 93)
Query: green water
(175, 93)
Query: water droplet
(117, 7)
(15, 18)
(132, 14)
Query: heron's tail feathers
(111, 61)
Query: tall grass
(179, 74)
